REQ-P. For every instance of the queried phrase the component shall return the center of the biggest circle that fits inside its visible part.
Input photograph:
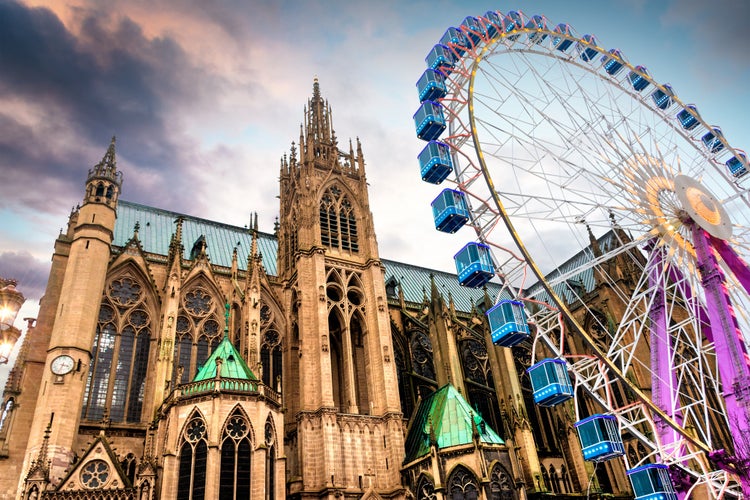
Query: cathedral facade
(179, 358)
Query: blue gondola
(652, 482)
(441, 59)
(737, 165)
(560, 42)
(712, 140)
(550, 382)
(587, 50)
(473, 29)
(474, 265)
(512, 21)
(688, 117)
(612, 62)
(431, 85)
(537, 22)
(450, 211)
(600, 438)
(435, 162)
(454, 39)
(493, 23)
(663, 98)
(429, 121)
(638, 78)
(508, 324)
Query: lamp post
(11, 301)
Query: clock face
(62, 364)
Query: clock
(62, 364)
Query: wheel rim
(601, 157)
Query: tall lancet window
(193, 455)
(270, 348)
(347, 336)
(338, 221)
(117, 375)
(236, 450)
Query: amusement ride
(546, 138)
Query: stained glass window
(463, 485)
(338, 222)
(199, 331)
(116, 378)
(234, 474)
(95, 474)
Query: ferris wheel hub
(702, 207)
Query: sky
(205, 97)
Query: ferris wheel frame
(471, 45)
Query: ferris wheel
(587, 182)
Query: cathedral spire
(594, 242)
(104, 180)
(107, 168)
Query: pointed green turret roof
(232, 365)
(447, 419)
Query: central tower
(344, 426)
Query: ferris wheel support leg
(731, 358)
(663, 380)
(738, 266)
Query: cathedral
(175, 357)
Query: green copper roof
(156, 227)
(447, 416)
(232, 365)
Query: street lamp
(11, 301)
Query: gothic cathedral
(175, 357)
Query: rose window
(138, 318)
(237, 427)
(95, 474)
(125, 291)
(196, 429)
(198, 302)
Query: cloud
(30, 272)
(718, 32)
(108, 79)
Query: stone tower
(343, 420)
(58, 408)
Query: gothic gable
(98, 469)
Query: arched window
(554, 479)
(338, 222)
(199, 331)
(566, 479)
(191, 478)
(425, 489)
(117, 376)
(270, 348)
(347, 339)
(421, 353)
(404, 381)
(100, 189)
(501, 486)
(270, 438)
(463, 485)
(129, 465)
(236, 451)
(236, 329)
(5, 419)
(479, 383)
(545, 478)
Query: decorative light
(11, 301)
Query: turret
(74, 323)
(104, 181)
